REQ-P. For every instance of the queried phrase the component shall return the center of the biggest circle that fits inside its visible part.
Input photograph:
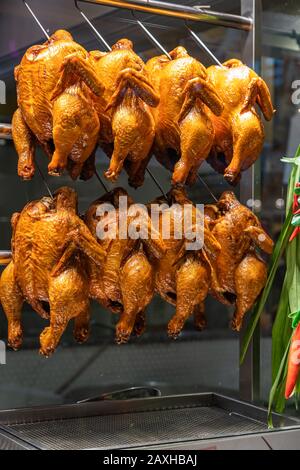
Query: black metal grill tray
(137, 423)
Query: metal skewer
(150, 36)
(36, 19)
(44, 181)
(203, 45)
(99, 36)
(101, 181)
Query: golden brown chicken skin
(183, 125)
(56, 86)
(125, 283)
(183, 277)
(124, 109)
(241, 274)
(239, 131)
(47, 245)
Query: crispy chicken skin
(56, 86)
(48, 237)
(125, 283)
(124, 109)
(239, 131)
(182, 121)
(183, 277)
(241, 274)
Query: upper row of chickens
(70, 101)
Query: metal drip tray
(137, 423)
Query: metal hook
(36, 19)
(101, 181)
(203, 45)
(150, 36)
(99, 36)
(47, 36)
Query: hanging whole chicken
(125, 282)
(56, 86)
(184, 131)
(240, 272)
(48, 268)
(239, 131)
(128, 127)
(183, 277)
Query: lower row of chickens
(59, 264)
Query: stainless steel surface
(9, 442)
(137, 423)
(180, 11)
(250, 189)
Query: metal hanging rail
(201, 14)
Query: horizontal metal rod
(180, 11)
(5, 257)
(5, 131)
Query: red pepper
(294, 364)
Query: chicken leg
(12, 301)
(137, 286)
(25, 146)
(250, 278)
(67, 299)
(192, 285)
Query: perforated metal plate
(138, 423)
(136, 429)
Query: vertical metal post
(251, 190)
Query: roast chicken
(48, 269)
(56, 87)
(184, 131)
(125, 282)
(241, 274)
(239, 131)
(183, 278)
(124, 108)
